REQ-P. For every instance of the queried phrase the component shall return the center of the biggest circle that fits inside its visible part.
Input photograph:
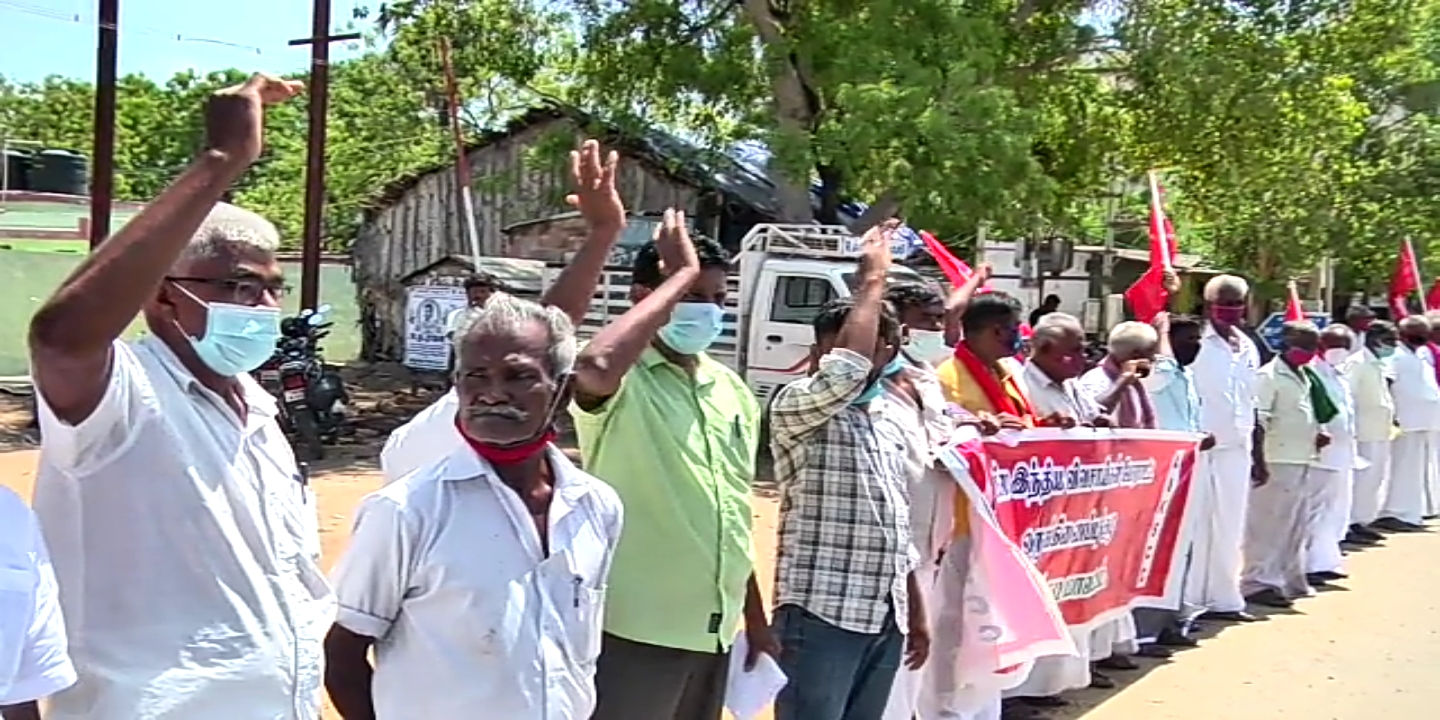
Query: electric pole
(102, 166)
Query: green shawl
(1325, 408)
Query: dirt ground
(1364, 651)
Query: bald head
(1414, 331)
(1336, 336)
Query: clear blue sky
(161, 37)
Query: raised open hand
(592, 175)
(672, 241)
(235, 116)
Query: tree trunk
(793, 114)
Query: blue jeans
(835, 674)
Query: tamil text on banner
(427, 310)
(1098, 512)
(996, 609)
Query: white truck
(784, 274)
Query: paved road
(1370, 651)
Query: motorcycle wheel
(309, 446)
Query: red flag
(1432, 298)
(1294, 311)
(1404, 281)
(1147, 297)
(955, 269)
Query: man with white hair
(1224, 372)
(1115, 384)
(432, 434)
(1050, 377)
(183, 534)
(479, 579)
(1417, 413)
(1293, 408)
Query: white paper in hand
(747, 694)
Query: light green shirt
(681, 454)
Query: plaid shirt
(845, 545)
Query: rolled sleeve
(808, 403)
(109, 428)
(374, 574)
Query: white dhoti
(1328, 518)
(1412, 463)
(1055, 674)
(1371, 482)
(1219, 495)
(1114, 637)
(933, 692)
(1275, 532)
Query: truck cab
(784, 275)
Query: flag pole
(1157, 215)
(1415, 268)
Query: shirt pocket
(17, 610)
(586, 623)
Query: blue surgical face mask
(872, 390)
(693, 327)
(238, 338)
(928, 345)
(1384, 351)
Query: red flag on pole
(955, 269)
(1294, 311)
(1404, 281)
(1432, 298)
(1147, 297)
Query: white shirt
(471, 618)
(1225, 379)
(1374, 408)
(34, 662)
(1287, 414)
(1340, 453)
(186, 546)
(428, 436)
(1048, 396)
(1416, 393)
(456, 318)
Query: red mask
(1227, 314)
(1296, 356)
(507, 454)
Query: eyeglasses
(243, 291)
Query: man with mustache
(479, 579)
(431, 434)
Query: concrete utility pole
(319, 94)
(102, 165)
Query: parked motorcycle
(312, 397)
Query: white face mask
(1336, 356)
(928, 345)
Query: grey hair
(1052, 326)
(1131, 337)
(1339, 330)
(1226, 282)
(1414, 323)
(505, 313)
(229, 228)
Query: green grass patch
(27, 279)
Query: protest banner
(1098, 512)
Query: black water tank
(60, 171)
(17, 170)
